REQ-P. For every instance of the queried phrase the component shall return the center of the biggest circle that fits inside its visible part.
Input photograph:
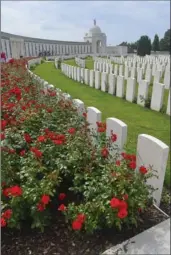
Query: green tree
(155, 45)
(165, 41)
(144, 46)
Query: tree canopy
(155, 45)
(144, 46)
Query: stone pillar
(8, 49)
(17, 47)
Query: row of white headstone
(148, 73)
(115, 85)
(150, 150)
(161, 63)
(80, 62)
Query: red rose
(118, 162)
(16, 191)
(132, 164)
(58, 142)
(37, 153)
(6, 192)
(123, 154)
(114, 137)
(41, 138)
(76, 225)
(71, 131)
(45, 199)
(143, 170)
(22, 153)
(133, 157)
(27, 138)
(101, 129)
(11, 61)
(122, 205)
(85, 114)
(122, 213)
(7, 214)
(11, 151)
(114, 202)
(3, 222)
(49, 110)
(61, 196)
(81, 217)
(105, 152)
(62, 208)
(46, 130)
(40, 207)
(3, 124)
(2, 136)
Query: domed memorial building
(97, 39)
(95, 42)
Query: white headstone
(142, 92)
(130, 90)
(104, 82)
(107, 68)
(168, 105)
(119, 128)
(78, 74)
(121, 70)
(148, 75)
(126, 72)
(75, 73)
(120, 86)
(82, 75)
(153, 152)
(112, 84)
(140, 74)
(72, 72)
(93, 116)
(157, 76)
(157, 96)
(92, 77)
(116, 70)
(80, 106)
(97, 80)
(104, 67)
(167, 79)
(86, 76)
(133, 72)
(111, 68)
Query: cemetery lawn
(139, 120)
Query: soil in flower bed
(58, 239)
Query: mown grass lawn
(139, 120)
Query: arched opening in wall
(98, 46)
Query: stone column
(8, 49)
(17, 47)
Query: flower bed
(51, 166)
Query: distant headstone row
(80, 62)
(115, 84)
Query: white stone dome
(95, 30)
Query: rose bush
(48, 154)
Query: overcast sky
(70, 20)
